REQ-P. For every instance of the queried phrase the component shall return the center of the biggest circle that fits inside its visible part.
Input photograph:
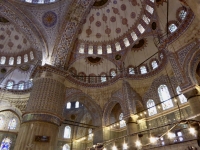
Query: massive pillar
(193, 96)
(132, 127)
(43, 114)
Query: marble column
(41, 120)
(132, 127)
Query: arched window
(66, 147)
(77, 104)
(12, 124)
(117, 46)
(154, 64)
(126, 42)
(90, 49)
(5, 144)
(143, 69)
(90, 134)
(81, 48)
(122, 123)
(109, 50)
(11, 60)
(182, 14)
(25, 58)
(68, 105)
(10, 84)
(19, 59)
(165, 97)
(181, 97)
(67, 132)
(141, 28)
(21, 86)
(103, 78)
(172, 27)
(113, 73)
(3, 60)
(151, 107)
(99, 50)
(131, 70)
(134, 36)
(31, 55)
(149, 9)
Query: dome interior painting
(99, 74)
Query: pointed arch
(72, 95)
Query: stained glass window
(117, 46)
(181, 97)
(5, 144)
(172, 28)
(182, 14)
(68, 105)
(10, 85)
(3, 60)
(131, 70)
(151, 107)
(141, 28)
(122, 123)
(165, 97)
(66, 147)
(31, 55)
(77, 104)
(154, 64)
(90, 134)
(18, 59)
(21, 86)
(25, 58)
(143, 69)
(67, 132)
(113, 73)
(126, 42)
(103, 78)
(11, 60)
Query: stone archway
(93, 108)
(190, 65)
(108, 109)
(14, 15)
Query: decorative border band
(41, 117)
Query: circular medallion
(49, 19)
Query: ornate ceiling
(12, 41)
(110, 21)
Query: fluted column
(43, 114)
(132, 127)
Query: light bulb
(153, 139)
(125, 146)
(192, 130)
(114, 147)
(138, 143)
(104, 148)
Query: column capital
(132, 119)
